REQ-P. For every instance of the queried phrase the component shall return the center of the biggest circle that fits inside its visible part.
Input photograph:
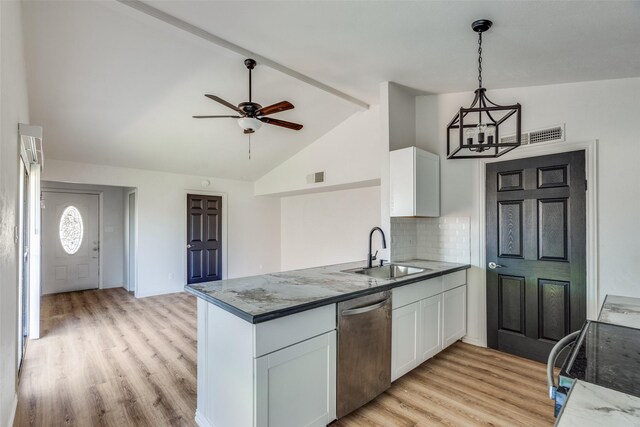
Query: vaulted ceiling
(112, 85)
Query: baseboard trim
(474, 341)
(153, 294)
(114, 285)
(202, 421)
(14, 408)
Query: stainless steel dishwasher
(364, 350)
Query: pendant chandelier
(475, 132)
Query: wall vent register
(315, 178)
(548, 134)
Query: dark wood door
(204, 238)
(536, 233)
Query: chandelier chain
(480, 59)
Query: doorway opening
(84, 237)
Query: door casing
(591, 162)
(131, 237)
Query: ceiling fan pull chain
(249, 146)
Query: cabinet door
(430, 327)
(405, 337)
(296, 386)
(454, 319)
(402, 182)
(427, 181)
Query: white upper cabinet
(414, 183)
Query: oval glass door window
(71, 230)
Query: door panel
(66, 270)
(536, 234)
(204, 238)
(511, 291)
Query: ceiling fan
(252, 115)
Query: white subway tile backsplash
(439, 239)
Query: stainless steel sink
(389, 271)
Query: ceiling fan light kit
(249, 124)
(477, 129)
(252, 115)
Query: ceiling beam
(199, 32)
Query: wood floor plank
(108, 359)
(465, 386)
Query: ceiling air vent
(548, 134)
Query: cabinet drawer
(416, 291)
(285, 331)
(453, 280)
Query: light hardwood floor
(108, 359)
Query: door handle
(365, 309)
(493, 265)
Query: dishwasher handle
(365, 309)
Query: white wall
(253, 222)
(13, 110)
(402, 116)
(112, 227)
(603, 110)
(346, 154)
(328, 228)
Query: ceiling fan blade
(217, 117)
(275, 108)
(223, 102)
(282, 123)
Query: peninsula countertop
(593, 405)
(261, 298)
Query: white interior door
(70, 242)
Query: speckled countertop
(260, 298)
(590, 404)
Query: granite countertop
(607, 355)
(619, 310)
(260, 298)
(593, 405)
(590, 404)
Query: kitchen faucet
(372, 257)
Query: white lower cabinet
(416, 334)
(454, 315)
(431, 323)
(424, 327)
(405, 326)
(276, 373)
(296, 386)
